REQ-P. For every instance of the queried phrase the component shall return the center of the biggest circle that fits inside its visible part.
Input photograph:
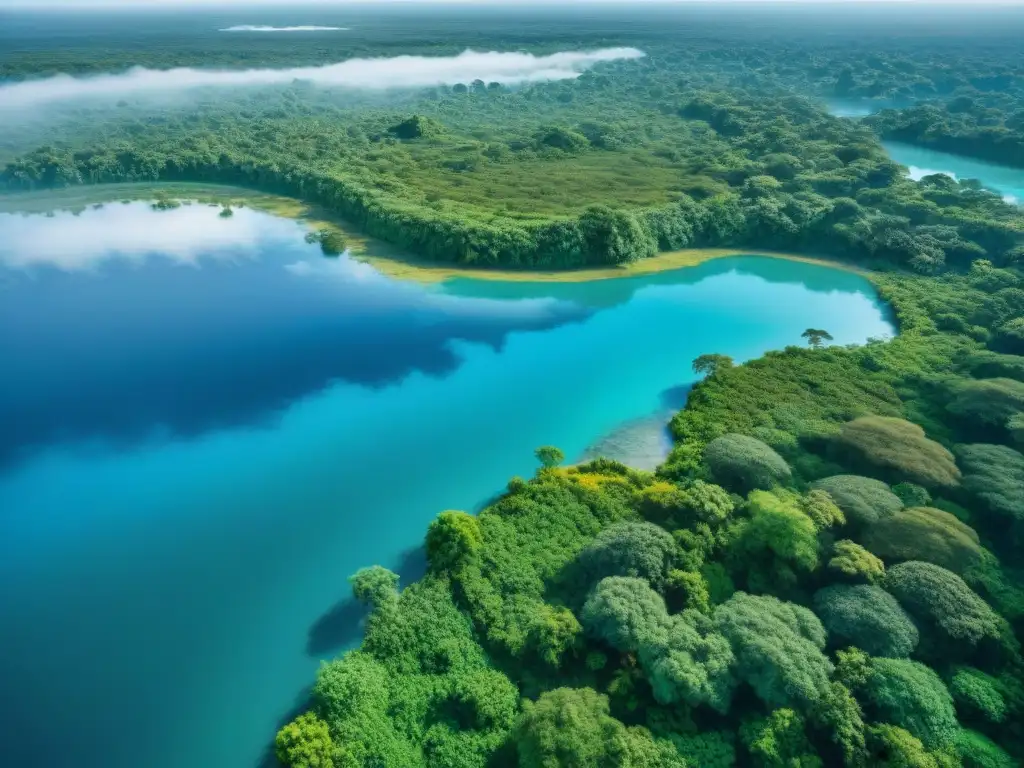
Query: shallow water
(208, 426)
(1007, 181)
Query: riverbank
(386, 258)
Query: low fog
(366, 74)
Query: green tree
(549, 456)
(899, 448)
(977, 695)
(779, 741)
(863, 500)
(923, 533)
(994, 474)
(910, 695)
(305, 743)
(854, 563)
(867, 617)
(572, 728)
(816, 337)
(629, 549)
(978, 751)
(742, 463)
(711, 364)
(626, 613)
(453, 539)
(375, 586)
(943, 602)
(554, 632)
(778, 648)
(894, 747)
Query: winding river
(922, 161)
(208, 426)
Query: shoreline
(385, 258)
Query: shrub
(898, 448)
(987, 401)
(977, 695)
(867, 617)
(629, 549)
(742, 463)
(820, 507)
(854, 563)
(779, 740)
(894, 747)
(923, 533)
(778, 648)
(779, 525)
(863, 500)
(453, 539)
(912, 495)
(910, 695)
(572, 727)
(305, 743)
(626, 613)
(978, 751)
(995, 475)
(939, 597)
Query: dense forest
(826, 570)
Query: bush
(626, 613)
(778, 648)
(742, 464)
(453, 539)
(897, 448)
(923, 533)
(912, 495)
(863, 500)
(910, 695)
(867, 617)
(779, 740)
(642, 550)
(995, 475)
(780, 526)
(572, 727)
(940, 598)
(977, 695)
(894, 747)
(854, 563)
(987, 401)
(305, 743)
(979, 751)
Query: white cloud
(372, 74)
(134, 232)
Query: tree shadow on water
(301, 704)
(675, 397)
(341, 627)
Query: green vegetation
(827, 569)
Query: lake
(1007, 181)
(921, 161)
(208, 426)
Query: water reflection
(121, 323)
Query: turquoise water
(1007, 181)
(209, 426)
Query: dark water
(207, 426)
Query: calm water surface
(208, 426)
(1007, 181)
(921, 161)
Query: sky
(138, 4)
